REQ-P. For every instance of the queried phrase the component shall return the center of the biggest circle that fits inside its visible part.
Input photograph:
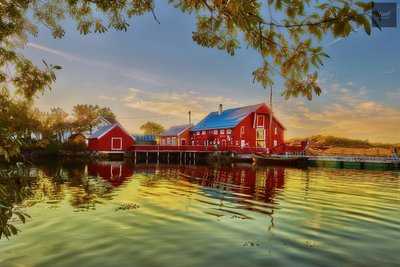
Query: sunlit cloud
(175, 104)
(349, 113)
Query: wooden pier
(190, 154)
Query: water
(114, 214)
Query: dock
(190, 154)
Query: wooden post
(158, 157)
(168, 157)
(147, 157)
(180, 158)
(194, 158)
(135, 157)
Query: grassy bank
(330, 145)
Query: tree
(107, 114)
(86, 117)
(17, 122)
(152, 128)
(285, 33)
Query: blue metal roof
(144, 138)
(227, 119)
(175, 130)
(102, 130)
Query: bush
(74, 146)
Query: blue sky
(156, 72)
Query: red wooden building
(176, 135)
(111, 138)
(247, 126)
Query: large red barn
(111, 138)
(247, 126)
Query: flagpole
(270, 118)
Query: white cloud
(107, 98)
(390, 71)
(129, 73)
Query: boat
(283, 160)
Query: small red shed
(111, 138)
(176, 135)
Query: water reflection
(114, 173)
(87, 185)
(174, 215)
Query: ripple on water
(199, 216)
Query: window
(168, 141)
(242, 130)
(260, 137)
(229, 131)
(260, 120)
(215, 132)
(222, 131)
(276, 130)
(197, 133)
(260, 134)
(174, 140)
(203, 132)
(275, 142)
(116, 143)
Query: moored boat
(297, 161)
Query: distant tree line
(24, 126)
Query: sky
(155, 72)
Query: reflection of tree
(86, 191)
(14, 189)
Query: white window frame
(112, 143)
(276, 130)
(228, 131)
(203, 132)
(215, 132)
(222, 131)
(275, 142)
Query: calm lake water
(115, 214)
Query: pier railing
(197, 148)
(355, 159)
(343, 158)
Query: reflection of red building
(113, 172)
(259, 183)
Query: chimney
(220, 109)
(190, 117)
